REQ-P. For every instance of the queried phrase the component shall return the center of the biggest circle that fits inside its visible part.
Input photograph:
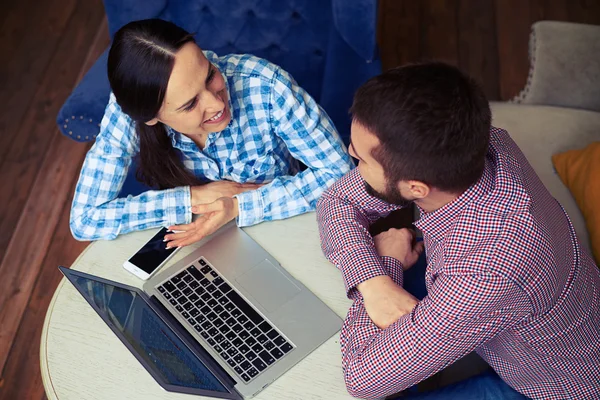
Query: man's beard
(392, 195)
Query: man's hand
(399, 244)
(385, 301)
(213, 216)
(212, 191)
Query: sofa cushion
(540, 132)
(580, 171)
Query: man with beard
(506, 276)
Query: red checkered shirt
(506, 277)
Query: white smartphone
(153, 255)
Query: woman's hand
(212, 191)
(213, 216)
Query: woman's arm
(97, 212)
(310, 138)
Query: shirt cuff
(250, 208)
(394, 269)
(362, 267)
(177, 206)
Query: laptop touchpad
(268, 285)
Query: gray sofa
(559, 109)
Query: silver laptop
(223, 322)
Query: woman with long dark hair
(218, 136)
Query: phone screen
(154, 252)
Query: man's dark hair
(433, 123)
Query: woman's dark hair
(433, 123)
(140, 62)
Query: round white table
(81, 358)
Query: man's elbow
(356, 387)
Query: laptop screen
(148, 335)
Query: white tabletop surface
(81, 358)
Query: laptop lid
(155, 338)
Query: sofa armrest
(80, 116)
(564, 66)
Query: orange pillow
(580, 172)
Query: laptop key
(211, 341)
(249, 325)
(188, 306)
(175, 280)
(257, 348)
(276, 353)
(212, 331)
(206, 297)
(212, 303)
(176, 293)
(265, 327)
(217, 281)
(237, 328)
(194, 285)
(230, 322)
(217, 294)
(224, 315)
(211, 288)
(194, 312)
(202, 262)
(187, 291)
(214, 274)
(211, 316)
(167, 295)
(217, 348)
(244, 349)
(242, 319)
(179, 308)
(251, 355)
(199, 317)
(162, 289)
(252, 372)
(187, 278)
(272, 334)
(224, 355)
(279, 340)
(204, 334)
(205, 269)
(243, 334)
(192, 321)
(173, 301)
(185, 315)
(239, 370)
(245, 365)
(238, 358)
(232, 351)
(181, 285)
(219, 338)
(169, 286)
(206, 325)
(231, 362)
(286, 347)
(224, 329)
(218, 309)
(262, 339)
(204, 282)
(259, 364)
(193, 297)
(269, 345)
(198, 327)
(230, 335)
(218, 322)
(182, 300)
(224, 301)
(205, 310)
(245, 377)
(195, 273)
(237, 342)
(255, 332)
(225, 287)
(266, 357)
(225, 345)
(199, 303)
(250, 341)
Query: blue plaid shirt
(274, 124)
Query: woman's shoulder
(116, 126)
(245, 66)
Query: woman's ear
(152, 122)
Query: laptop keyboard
(226, 321)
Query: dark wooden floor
(46, 46)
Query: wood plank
(513, 24)
(398, 32)
(28, 42)
(29, 144)
(21, 372)
(584, 11)
(42, 205)
(439, 34)
(477, 45)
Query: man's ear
(152, 122)
(417, 189)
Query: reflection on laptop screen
(149, 336)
